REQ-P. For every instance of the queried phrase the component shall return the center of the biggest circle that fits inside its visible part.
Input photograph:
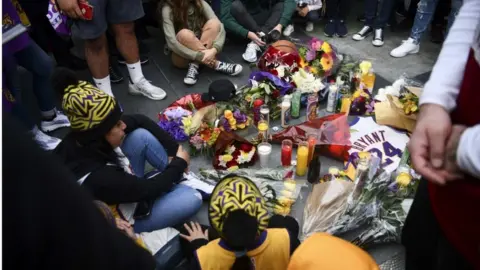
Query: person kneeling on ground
(309, 12)
(255, 20)
(195, 36)
(107, 152)
(238, 214)
(327, 252)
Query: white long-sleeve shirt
(315, 5)
(444, 84)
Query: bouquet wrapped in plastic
(318, 57)
(333, 132)
(279, 63)
(233, 152)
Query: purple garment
(57, 19)
(10, 19)
(7, 98)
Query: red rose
(275, 94)
(258, 103)
(245, 147)
(232, 163)
(274, 72)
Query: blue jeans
(35, 60)
(380, 20)
(424, 16)
(172, 208)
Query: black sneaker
(378, 38)
(341, 28)
(143, 60)
(329, 29)
(115, 74)
(228, 68)
(436, 34)
(363, 33)
(361, 18)
(192, 74)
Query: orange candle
(312, 141)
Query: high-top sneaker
(192, 74)
(229, 68)
(59, 121)
(378, 38)
(363, 33)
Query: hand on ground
(253, 37)
(194, 232)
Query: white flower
(281, 71)
(306, 82)
(230, 149)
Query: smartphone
(143, 210)
(87, 10)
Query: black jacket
(111, 184)
(49, 222)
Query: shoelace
(192, 71)
(226, 67)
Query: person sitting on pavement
(120, 16)
(256, 20)
(107, 151)
(239, 215)
(309, 12)
(22, 51)
(195, 36)
(322, 251)
(423, 18)
(375, 23)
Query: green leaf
(353, 130)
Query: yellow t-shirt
(272, 254)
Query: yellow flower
(233, 168)
(357, 93)
(326, 62)
(241, 126)
(403, 179)
(326, 47)
(228, 114)
(303, 63)
(365, 66)
(232, 122)
(226, 158)
(314, 70)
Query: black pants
(263, 21)
(442, 11)
(380, 20)
(425, 244)
(336, 9)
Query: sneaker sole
(327, 35)
(249, 61)
(121, 62)
(51, 128)
(238, 72)
(135, 92)
(361, 38)
(378, 45)
(400, 56)
(341, 36)
(189, 83)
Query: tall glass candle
(302, 158)
(265, 113)
(264, 150)
(262, 130)
(286, 152)
(312, 141)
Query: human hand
(253, 37)
(209, 56)
(303, 11)
(428, 141)
(126, 227)
(70, 8)
(181, 153)
(451, 165)
(279, 28)
(194, 232)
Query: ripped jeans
(424, 16)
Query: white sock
(135, 71)
(104, 85)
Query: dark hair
(180, 12)
(240, 233)
(62, 78)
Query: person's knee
(184, 35)
(192, 199)
(313, 16)
(141, 134)
(237, 8)
(124, 29)
(96, 45)
(213, 24)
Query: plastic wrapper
(279, 63)
(259, 76)
(275, 190)
(190, 102)
(333, 132)
(227, 139)
(324, 205)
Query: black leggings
(263, 21)
(425, 244)
(336, 9)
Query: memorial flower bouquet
(174, 120)
(233, 152)
(318, 57)
(279, 63)
(203, 141)
(233, 120)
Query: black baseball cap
(219, 90)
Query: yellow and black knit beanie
(92, 113)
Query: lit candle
(262, 130)
(312, 141)
(302, 158)
(286, 152)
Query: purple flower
(174, 128)
(225, 124)
(370, 107)
(239, 116)
(176, 113)
(311, 55)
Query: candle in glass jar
(262, 130)
(302, 158)
(286, 152)
(312, 141)
(265, 113)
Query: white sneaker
(59, 121)
(309, 27)
(288, 30)
(408, 47)
(229, 68)
(46, 142)
(145, 88)
(192, 74)
(250, 54)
